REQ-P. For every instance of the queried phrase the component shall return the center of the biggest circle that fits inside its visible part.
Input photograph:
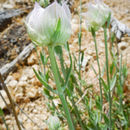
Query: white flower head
(50, 25)
(97, 15)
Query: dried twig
(28, 116)
(8, 106)
(20, 110)
(11, 101)
(22, 56)
(119, 28)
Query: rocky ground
(25, 89)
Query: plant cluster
(51, 27)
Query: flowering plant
(51, 27)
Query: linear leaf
(44, 82)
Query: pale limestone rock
(28, 125)
(36, 67)
(24, 78)
(32, 104)
(8, 79)
(75, 41)
(35, 111)
(31, 81)
(2, 104)
(22, 83)
(8, 117)
(12, 83)
(84, 26)
(123, 45)
(90, 52)
(19, 95)
(23, 117)
(56, 102)
(32, 93)
(8, 121)
(32, 59)
(28, 73)
(75, 28)
(8, 6)
(85, 61)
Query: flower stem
(108, 80)
(59, 88)
(79, 40)
(99, 70)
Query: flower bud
(97, 15)
(50, 25)
(44, 3)
(53, 123)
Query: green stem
(99, 70)
(121, 87)
(39, 62)
(59, 88)
(79, 40)
(77, 114)
(108, 80)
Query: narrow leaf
(113, 82)
(69, 72)
(44, 82)
(1, 112)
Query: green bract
(49, 26)
(97, 15)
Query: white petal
(52, 14)
(34, 19)
(34, 24)
(35, 13)
(67, 10)
(98, 1)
